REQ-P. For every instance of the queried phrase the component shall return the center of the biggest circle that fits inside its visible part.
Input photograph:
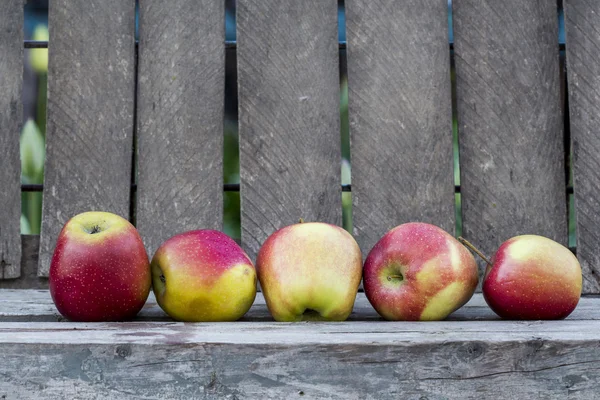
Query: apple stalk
(474, 249)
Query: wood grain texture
(11, 115)
(399, 105)
(583, 59)
(29, 279)
(510, 121)
(180, 118)
(91, 74)
(365, 357)
(288, 115)
(370, 360)
(36, 306)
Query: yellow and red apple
(99, 270)
(419, 272)
(532, 277)
(310, 271)
(203, 275)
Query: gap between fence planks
(289, 115)
(509, 121)
(582, 22)
(180, 118)
(399, 100)
(91, 72)
(11, 110)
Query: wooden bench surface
(364, 357)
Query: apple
(532, 277)
(99, 270)
(419, 272)
(309, 271)
(203, 275)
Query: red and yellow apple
(99, 270)
(419, 272)
(310, 271)
(532, 277)
(203, 275)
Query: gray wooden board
(372, 360)
(37, 306)
(11, 109)
(29, 279)
(180, 118)
(509, 120)
(365, 357)
(289, 115)
(583, 59)
(399, 104)
(90, 113)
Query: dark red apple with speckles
(419, 272)
(203, 275)
(532, 277)
(99, 270)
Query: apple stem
(301, 220)
(474, 249)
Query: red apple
(532, 277)
(418, 271)
(203, 275)
(310, 271)
(99, 270)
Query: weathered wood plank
(180, 118)
(583, 60)
(377, 360)
(509, 120)
(29, 279)
(11, 110)
(90, 113)
(399, 104)
(288, 115)
(36, 305)
(256, 357)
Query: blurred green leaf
(33, 153)
(346, 175)
(38, 58)
(344, 121)
(25, 227)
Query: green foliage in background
(346, 169)
(33, 153)
(33, 142)
(231, 174)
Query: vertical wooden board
(509, 119)
(400, 110)
(90, 113)
(583, 59)
(11, 108)
(288, 115)
(180, 118)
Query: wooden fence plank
(583, 60)
(288, 115)
(90, 113)
(509, 119)
(180, 118)
(29, 279)
(400, 112)
(11, 108)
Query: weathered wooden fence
(165, 95)
(137, 129)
